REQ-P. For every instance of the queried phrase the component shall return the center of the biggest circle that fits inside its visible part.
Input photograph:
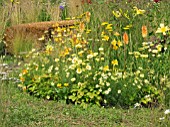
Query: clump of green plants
(107, 70)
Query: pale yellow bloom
(144, 55)
(116, 34)
(117, 14)
(139, 11)
(162, 29)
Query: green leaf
(73, 98)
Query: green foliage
(22, 44)
(44, 16)
(2, 48)
(103, 62)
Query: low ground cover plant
(120, 63)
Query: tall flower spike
(125, 38)
(81, 27)
(88, 15)
(144, 31)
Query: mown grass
(18, 109)
(21, 110)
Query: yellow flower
(104, 23)
(139, 11)
(105, 38)
(59, 85)
(115, 47)
(66, 84)
(116, 34)
(88, 31)
(25, 71)
(119, 43)
(114, 62)
(106, 68)
(114, 42)
(117, 14)
(49, 49)
(162, 29)
(22, 79)
(109, 27)
(159, 47)
(127, 27)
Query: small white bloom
(137, 105)
(67, 74)
(73, 79)
(146, 81)
(97, 86)
(119, 91)
(106, 92)
(88, 67)
(56, 60)
(105, 101)
(107, 84)
(89, 56)
(101, 49)
(72, 67)
(80, 84)
(102, 58)
(74, 60)
(56, 68)
(162, 118)
(167, 111)
(100, 90)
(50, 69)
(95, 54)
(141, 75)
(79, 71)
(52, 84)
(78, 46)
(79, 62)
(155, 51)
(97, 59)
